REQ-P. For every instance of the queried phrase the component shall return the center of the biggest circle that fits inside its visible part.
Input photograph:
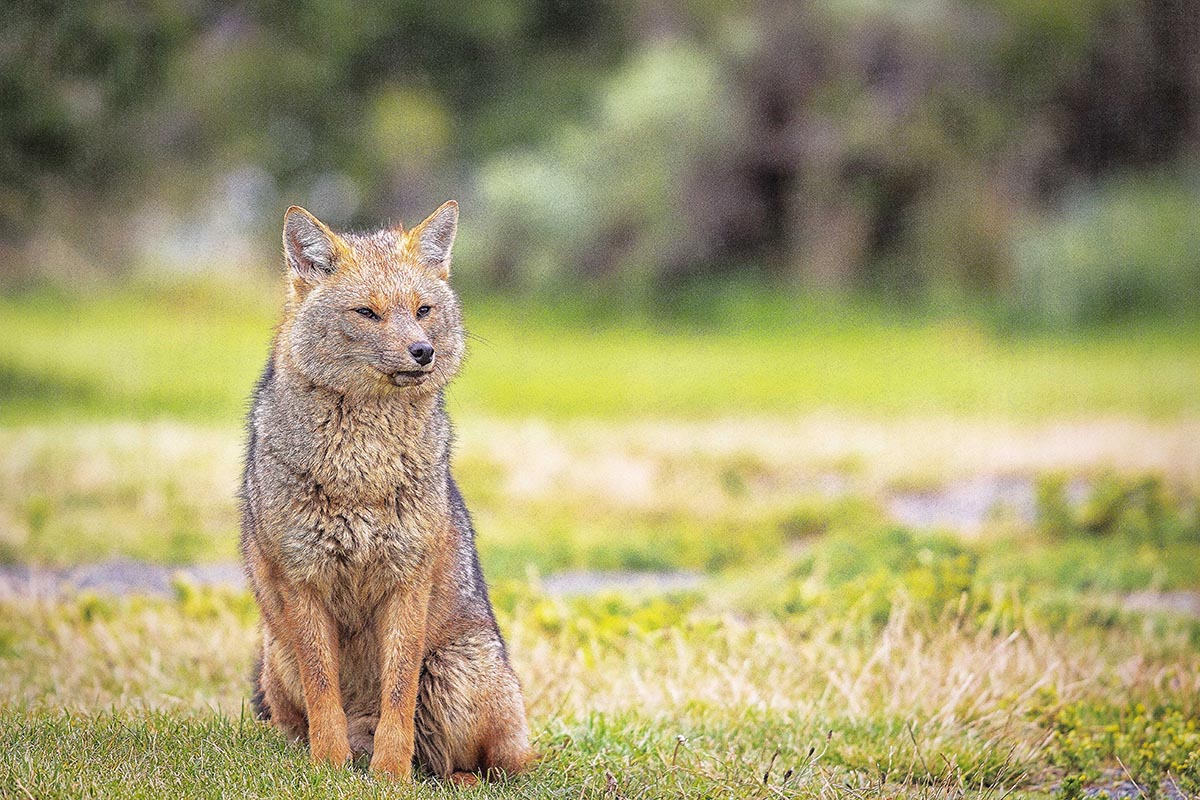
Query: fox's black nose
(422, 352)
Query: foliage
(608, 194)
(1028, 153)
(862, 577)
(1143, 510)
(1129, 248)
(1152, 745)
(78, 83)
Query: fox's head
(373, 313)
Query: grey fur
(347, 492)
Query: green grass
(883, 663)
(828, 651)
(594, 496)
(193, 353)
(129, 755)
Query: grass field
(822, 647)
(825, 652)
(193, 355)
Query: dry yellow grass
(166, 492)
(892, 678)
(972, 696)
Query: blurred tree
(389, 96)
(607, 198)
(360, 110)
(860, 145)
(77, 84)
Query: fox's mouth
(410, 377)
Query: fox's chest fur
(353, 495)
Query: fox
(378, 637)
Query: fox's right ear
(308, 245)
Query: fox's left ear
(435, 236)
(309, 245)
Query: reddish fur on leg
(402, 640)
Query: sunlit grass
(661, 696)
(194, 353)
(701, 496)
(827, 651)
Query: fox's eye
(423, 311)
(366, 312)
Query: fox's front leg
(312, 634)
(401, 635)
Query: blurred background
(862, 335)
(806, 249)
(1041, 160)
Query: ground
(874, 557)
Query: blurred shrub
(1129, 247)
(847, 148)
(1143, 510)
(76, 83)
(208, 603)
(605, 199)
(892, 148)
(861, 577)
(590, 620)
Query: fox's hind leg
(470, 715)
(272, 701)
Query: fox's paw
(361, 733)
(394, 768)
(330, 750)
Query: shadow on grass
(25, 387)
